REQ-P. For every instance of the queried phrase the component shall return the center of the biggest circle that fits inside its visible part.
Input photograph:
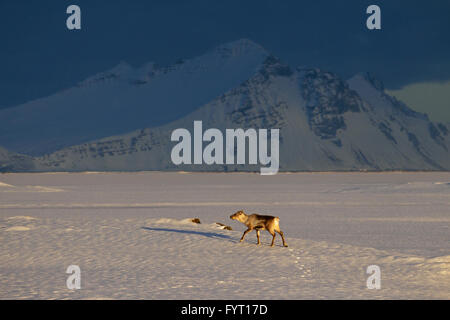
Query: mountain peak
(121, 68)
(117, 71)
(273, 66)
(240, 47)
(371, 79)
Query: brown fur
(259, 222)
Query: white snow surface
(131, 236)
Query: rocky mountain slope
(11, 161)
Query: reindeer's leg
(245, 232)
(257, 237)
(282, 237)
(273, 239)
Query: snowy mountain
(124, 99)
(326, 123)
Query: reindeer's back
(259, 221)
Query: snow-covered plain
(129, 235)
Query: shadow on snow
(200, 233)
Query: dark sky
(39, 56)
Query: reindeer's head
(239, 216)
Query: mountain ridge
(326, 123)
(123, 99)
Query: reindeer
(259, 222)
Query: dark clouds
(39, 55)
